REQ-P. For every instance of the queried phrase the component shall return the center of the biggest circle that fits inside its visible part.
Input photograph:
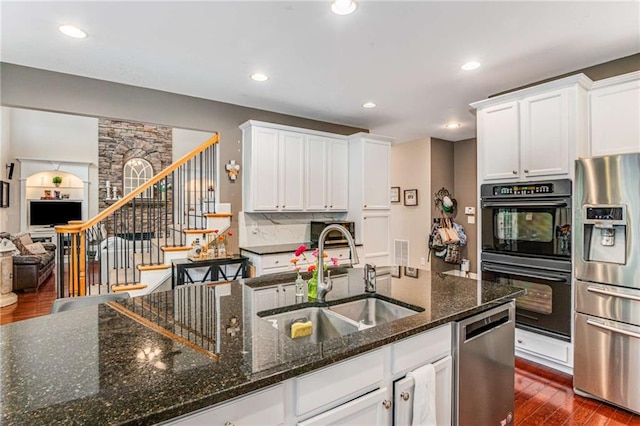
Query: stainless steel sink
(326, 324)
(371, 311)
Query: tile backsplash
(263, 229)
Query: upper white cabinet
(615, 115)
(533, 133)
(327, 164)
(292, 169)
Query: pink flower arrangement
(311, 267)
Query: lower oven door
(546, 308)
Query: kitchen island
(153, 358)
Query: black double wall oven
(526, 241)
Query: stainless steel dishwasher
(484, 367)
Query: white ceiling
(404, 56)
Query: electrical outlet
(471, 219)
(469, 210)
(423, 261)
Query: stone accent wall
(120, 141)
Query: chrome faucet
(325, 287)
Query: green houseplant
(57, 180)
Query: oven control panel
(528, 189)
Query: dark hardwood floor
(542, 396)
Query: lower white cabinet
(372, 409)
(280, 262)
(264, 407)
(274, 297)
(403, 395)
(548, 351)
(376, 238)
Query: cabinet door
(265, 171)
(615, 119)
(371, 409)
(338, 177)
(404, 390)
(498, 132)
(291, 171)
(266, 298)
(316, 174)
(375, 238)
(545, 134)
(287, 295)
(376, 175)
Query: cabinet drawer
(542, 346)
(338, 381)
(277, 261)
(343, 255)
(423, 348)
(260, 408)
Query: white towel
(424, 396)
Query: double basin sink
(339, 319)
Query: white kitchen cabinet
(544, 350)
(292, 173)
(533, 133)
(376, 238)
(614, 107)
(292, 169)
(327, 177)
(274, 297)
(264, 407)
(404, 391)
(280, 262)
(373, 409)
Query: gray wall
(466, 193)
(442, 176)
(25, 87)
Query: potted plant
(57, 180)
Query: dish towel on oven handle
(424, 395)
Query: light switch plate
(471, 219)
(469, 210)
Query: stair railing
(108, 252)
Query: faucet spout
(325, 287)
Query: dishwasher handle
(487, 321)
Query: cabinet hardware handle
(405, 396)
(277, 261)
(386, 403)
(365, 205)
(515, 172)
(526, 170)
(331, 206)
(519, 340)
(229, 424)
(325, 206)
(283, 206)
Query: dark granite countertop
(155, 357)
(289, 248)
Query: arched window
(136, 172)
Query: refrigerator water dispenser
(605, 232)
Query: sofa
(32, 262)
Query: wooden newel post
(75, 257)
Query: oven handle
(520, 203)
(612, 293)
(504, 270)
(614, 329)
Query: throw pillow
(17, 239)
(36, 248)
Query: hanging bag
(447, 233)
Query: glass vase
(312, 286)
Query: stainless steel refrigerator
(607, 271)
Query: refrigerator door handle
(614, 329)
(612, 293)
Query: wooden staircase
(130, 245)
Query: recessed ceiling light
(472, 65)
(259, 77)
(452, 125)
(368, 105)
(343, 7)
(72, 31)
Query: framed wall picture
(395, 194)
(411, 272)
(4, 194)
(395, 271)
(410, 197)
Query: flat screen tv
(51, 213)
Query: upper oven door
(531, 227)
